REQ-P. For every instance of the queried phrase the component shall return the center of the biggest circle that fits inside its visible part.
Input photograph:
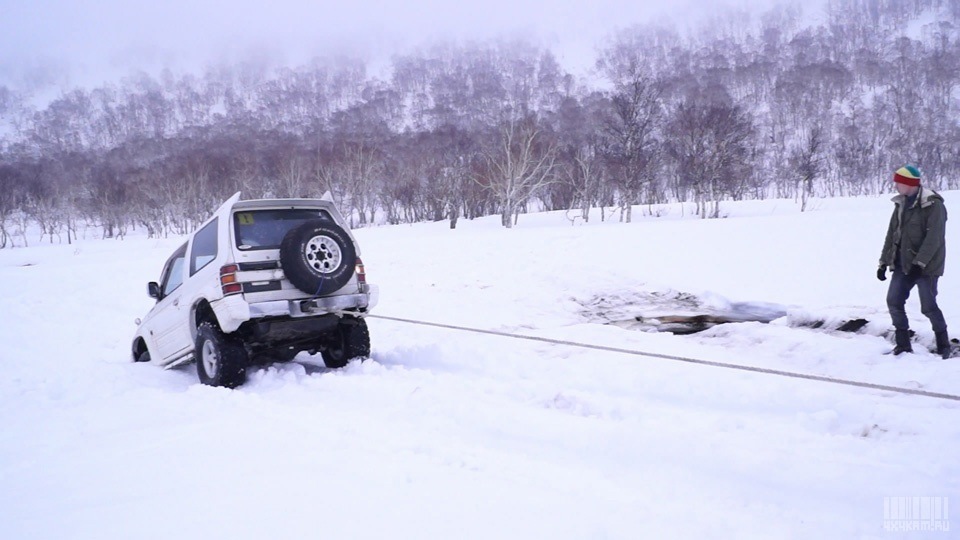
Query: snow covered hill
(446, 434)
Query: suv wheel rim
(323, 254)
(210, 358)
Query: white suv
(259, 282)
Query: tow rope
(767, 371)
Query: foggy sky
(89, 41)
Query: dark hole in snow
(683, 313)
(853, 325)
(873, 431)
(675, 312)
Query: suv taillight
(361, 273)
(228, 280)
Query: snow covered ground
(446, 434)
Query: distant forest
(752, 106)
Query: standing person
(915, 251)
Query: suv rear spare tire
(318, 257)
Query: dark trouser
(900, 286)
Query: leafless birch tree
(517, 165)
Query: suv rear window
(265, 229)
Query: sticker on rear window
(245, 218)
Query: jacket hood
(926, 197)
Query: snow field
(451, 434)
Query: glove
(882, 273)
(916, 271)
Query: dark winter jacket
(917, 234)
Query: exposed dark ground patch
(683, 313)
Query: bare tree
(710, 146)
(807, 161)
(518, 164)
(584, 175)
(448, 154)
(633, 148)
(11, 199)
(110, 197)
(293, 174)
(354, 173)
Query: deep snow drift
(445, 434)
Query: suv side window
(204, 247)
(173, 271)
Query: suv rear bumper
(233, 311)
(317, 306)
(308, 307)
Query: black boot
(943, 344)
(902, 339)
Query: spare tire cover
(318, 257)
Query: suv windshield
(265, 229)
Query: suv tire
(318, 257)
(221, 361)
(350, 340)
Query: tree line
(748, 107)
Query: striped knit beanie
(907, 175)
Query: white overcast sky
(93, 40)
